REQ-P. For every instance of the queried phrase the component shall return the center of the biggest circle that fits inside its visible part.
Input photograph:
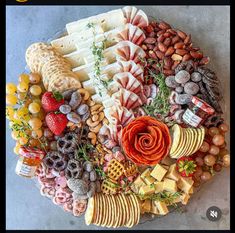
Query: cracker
(90, 211)
(115, 169)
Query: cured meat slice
(135, 17)
(127, 99)
(135, 69)
(131, 33)
(128, 81)
(126, 51)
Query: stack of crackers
(185, 141)
(117, 210)
(55, 70)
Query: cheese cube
(184, 198)
(139, 182)
(147, 189)
(134, 188)
(149, 180)
(177, 199)
(169, 185)
(158, 187)
(162, 208)
(145, 173)
(185, 184)
(173, 173)
(146, 206)
(158, 172)
(191, 190)
(154, 209)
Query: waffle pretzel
(130, 169)
(109, 186)
(115, 169)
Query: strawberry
(186, 166)
(56, 122)
(51, 101)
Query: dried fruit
(182, 77)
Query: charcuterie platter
(118, 118)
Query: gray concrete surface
(210, 28)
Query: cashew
(96, 129)
(90, 103)
(101, 108)
(93, 137)
(85, 93)
(92, 124)
(105, 121)
(94, 113)
(101, 116)
(95, 107)
(95, 117)
(70, 123)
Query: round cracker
(176, 132)
(201, 135)
(100, 210)
(180, 145)
(106, 210)
(125, 209)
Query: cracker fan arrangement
(119, 117)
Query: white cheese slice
(82, 71)
(66, 44)
(108, 20)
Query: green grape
(34, 108)
(24, 78)
(35, 90)
(35, 123)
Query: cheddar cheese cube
(184, 198)
(146, 206)
(158, 186)
(162, 207)
(147, 189)
(173, 173)
(158, 172)
(154, 209)
(185, 184)
(169, 185)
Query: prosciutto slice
(127, 99)
(131, 33)
(126, 51)
(135, 69)
(135, 17)
(128, 81)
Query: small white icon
(213, 214)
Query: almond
(175, 64)
(161, 38)
(175, 39)
(196, 55)
(176, 57)
(161, 32)
(186, 57)
(168, 61)
(144, 47)
(149, 28)
(160, 55)
(164, 25)
(152, 34)
(181, 52)
(204, 61)
(162, 47)
(171, 31)
(167, 42)
(168, 72)
(152, 54)
(187, 40)
(167, 34)
(179, 45)
(170, 51)
(150, 40)
(150, 46)
(181, 34)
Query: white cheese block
(108, 20)
(67, 44)
(82, 71)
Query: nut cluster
(171, 46)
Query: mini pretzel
(130, 169)
(109, 187)
(115, 169)
(55, 160)
(79, 207)
(74, 169)
(68, 143)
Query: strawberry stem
(57, 95)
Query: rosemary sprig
(100, 172)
